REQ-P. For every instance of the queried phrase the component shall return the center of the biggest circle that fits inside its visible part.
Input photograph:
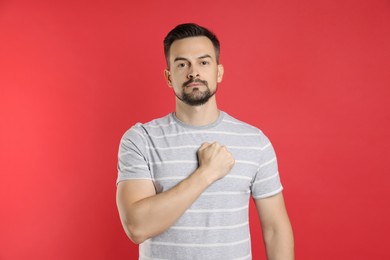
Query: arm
(277, 231)
(145, 214)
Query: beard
(195, 97)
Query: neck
(197, 115)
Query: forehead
(192, 47)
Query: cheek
(176, 86)
(178, 76)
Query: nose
(192, 74)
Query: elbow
(136, 240)
(135, 234)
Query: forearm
(145, 214)
(276, 227)
(279, 244)
(153, 215)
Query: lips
(195, 84)
(192, 83)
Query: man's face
(193, 71)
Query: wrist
(204, 175)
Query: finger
(220, 146)
(204, 145)
(216, 144)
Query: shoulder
(142, 129)
(233, 124)
(238, 125)
(159, 122)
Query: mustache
(195, 80)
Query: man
(184, 180)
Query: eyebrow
(185, 59)
(205, 56)
(180, 58)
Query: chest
(173, 158)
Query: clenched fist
(215, 160)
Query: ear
(220, 73)
(167, 76)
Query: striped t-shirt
(216, 225)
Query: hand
(215, 159)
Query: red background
(75, 75)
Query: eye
(181, 65)
(204, 62)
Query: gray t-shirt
(216, 225)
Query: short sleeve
(132, 158)
(267, 181)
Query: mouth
(195, 83)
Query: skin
(194, 57)
(145, 214)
